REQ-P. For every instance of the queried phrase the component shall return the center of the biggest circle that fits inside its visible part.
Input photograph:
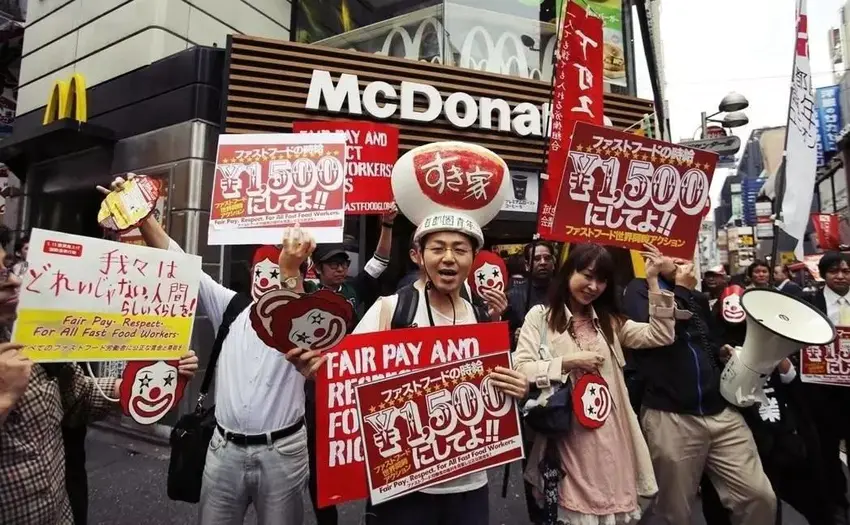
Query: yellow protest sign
(86, 299)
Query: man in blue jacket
(688, 425)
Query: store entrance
(72, 212)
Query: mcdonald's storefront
(164, 119)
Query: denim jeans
(272, 477)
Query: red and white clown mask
(488, 272)
(150, 389)
(265, 272)
(730, 305)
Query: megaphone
(777, 326)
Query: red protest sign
(267, 182)
(827, 230)
(625, 190)
(436, 425)
(364, 358)
(829, 364)
(371, 150)
(577, 96)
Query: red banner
(371, 150)
(829, 364)
(364, 358)
(625, 190)
(435, 425)
(827, 229)
(267, 182)
(577, 96)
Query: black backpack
(192, 433)
(408, 304)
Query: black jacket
(683, 377)
(517, 300)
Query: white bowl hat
(451, 186)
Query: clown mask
(265, 273)
(150, 389)
(730, 305)
(488, 272)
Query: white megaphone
(777, 326)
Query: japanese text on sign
(624, 190)
(365, 358)
(829, 364)
(85, 299)
(371, 150)
(267, 182)
(435, 425)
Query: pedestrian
(758, 274)
(713, 284)
(830, 405)
(782, 277)
(540, 268)
(34, 401)
(689, 427)
(446, 258)
(605, 469)
(258, 452)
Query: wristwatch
(289, 283)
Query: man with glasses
(831, 404)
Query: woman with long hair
(604, 462)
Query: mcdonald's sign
(67, 100)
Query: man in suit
(782, 278)
(831, 404)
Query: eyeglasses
(440, 251)
(338, 265)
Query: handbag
(192, 433)
(555, 417)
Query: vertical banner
(829, 117)
(365, 358)
(624, 190)
(829, 364)
(436, 425)
(577, 93)
(826, 227)
(87, 299)
(801, 148)
(370, 152)
(266, 182)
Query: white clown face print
(490, 276)
(317, 330)
(265, 276)
(150, 389)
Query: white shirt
(256, 389)
(833, 303)
(371, 322)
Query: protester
(758, 274)
(446, 255)
(688, 426)
(604, 469)
(258, 453)
(22, 247)
(830, 405)
(540, 269)
(34, 400)
(782, 278)
(332, 262)
(714, 282)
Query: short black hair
(831, 260)
(5, 235)
(526, 251)
(20, 243)
(756, 264)
(515, 264)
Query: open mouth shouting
(447, 275)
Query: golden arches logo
(67, 100)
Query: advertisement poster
(371, 150)
(526, 192)
(436, 425)
(623, 190)
(365, 358)
(134, 236)
(577, 95)
(830, 364)
(827, 230)
(267, 182)
(614, 55)
(86, 299)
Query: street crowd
(660, 344)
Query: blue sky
(712, 47)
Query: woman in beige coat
(603, 459)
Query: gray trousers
(271, 477)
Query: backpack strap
(236, 306)
(405, 309)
